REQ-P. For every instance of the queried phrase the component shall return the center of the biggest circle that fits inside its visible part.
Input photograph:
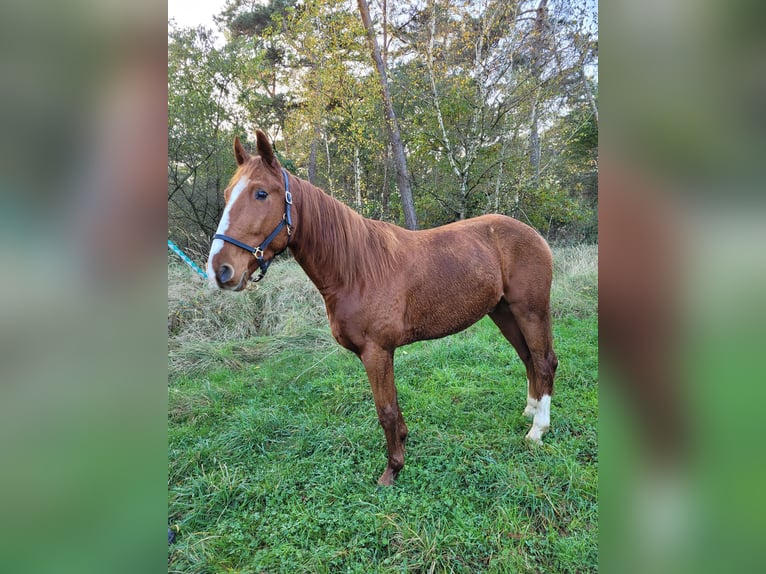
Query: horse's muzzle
(242, 282)
(224, 274)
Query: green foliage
(576, 170)
(273, 456)
(201, 82)
(471, 85)
(549, 209)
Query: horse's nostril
(225, 273)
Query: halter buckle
(287, 225)
(258, 253)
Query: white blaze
(223, 226)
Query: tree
(201, 125)
(485, 86)
(495, 99)
(392, 127)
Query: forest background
(496, 103)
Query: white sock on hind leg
(532, 404)
(542, 420)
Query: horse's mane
(340, 240)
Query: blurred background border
(82, 326)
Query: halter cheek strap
(287, 221)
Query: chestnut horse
(384, 286)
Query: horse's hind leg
(505, 321)
(535, 326)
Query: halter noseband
(287, 221)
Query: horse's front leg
(379, 364)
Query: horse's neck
(330, 240)
(312, 249)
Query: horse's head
(256, 221)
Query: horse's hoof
(535, 435)
(529, 412)
(533, 440)
(387, 478)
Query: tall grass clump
(208, 327)
(575, 281)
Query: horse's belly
(440, 311)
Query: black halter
(287, 221)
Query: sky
(194, 12)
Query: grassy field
(275, 448)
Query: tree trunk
(329, 172)
(384, 194)
(539, 45)
(384, 51)
(463, 196)
(499, 180)
(357, 179)
(437, 105)
(589, 94)
(392, 127)
(534, 141)
(313, 158)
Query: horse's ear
(240, 152)
(264, 148)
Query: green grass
(275, 448)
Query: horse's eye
(260, 194)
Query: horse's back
(516, 252)
(514, 242)
(451, 276)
